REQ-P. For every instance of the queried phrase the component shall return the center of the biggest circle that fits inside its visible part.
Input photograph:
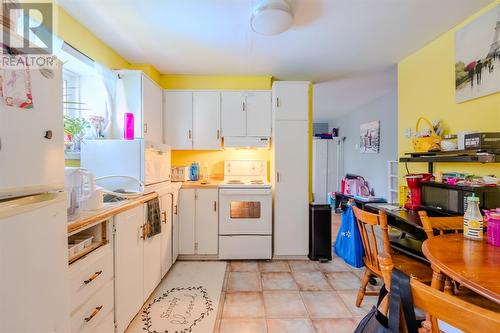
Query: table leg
(437, 279)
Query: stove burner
(257, 182)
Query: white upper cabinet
(140, 95)
(206, 120)
(291, 100)
(233, 113)
(246, 113)
(178, 119)
(258, 112)
(152, 110)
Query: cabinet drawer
(90, 314)
(87, 275)
(106, 325)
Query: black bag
(376, 322)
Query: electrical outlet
(408, 132)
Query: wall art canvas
(370, 138)
(477, 57)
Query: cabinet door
(291, 100)
(207, 221)
(128, 251)
(186, 221)
(178, 119)
(206, 120)
(258, 110)
(152, 267)
(233, 117)
(175, 227)
(291, 188)
(166, 233)
(152, 110)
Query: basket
(425, 143)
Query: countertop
(214, 183)
(82, 219)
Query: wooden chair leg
(362, 287)
(449, 288)
(437, 280)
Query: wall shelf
(457, 156)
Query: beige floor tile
(243, 304)
(244, 266)
(284, 304)
(243, 326)
(302, 325)
(349, 298)
(303, 265)
(340, 325)
(311, 281)
(274, 266)
(359, 272)
(336, 265)
(324, 304)
(278, 281)
(244, 281)
(343, 280)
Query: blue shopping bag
(348, 244)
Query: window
(71, 94)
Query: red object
(471, 66)
(342, 189)
(415, 197)
(128, 128)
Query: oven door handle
(237, 192)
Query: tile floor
(298, 296)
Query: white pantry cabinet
(140, 95)
(175, 226)
(178, 119)
(291, 100)
(192, 120)
(246, 113)
(129, 261)
(206, 120)
(291, 170)
(198, 222)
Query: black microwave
(452, 199)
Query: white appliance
(180, 174)
(139, 159)
(245, 213)
(33, 224)
(326, 167)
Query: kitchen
(165, 189)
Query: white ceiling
(329, 39)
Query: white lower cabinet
(129, 258)
(95, 310)
(151, 264)
(175, 226)
(198, 222)
(166, 233)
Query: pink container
(493, 219)
(128, 126)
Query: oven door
(245, 212)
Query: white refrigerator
(33, 222)
(327, 165)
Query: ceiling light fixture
(271, 17)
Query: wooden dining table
(474, 264)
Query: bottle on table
(473, 220)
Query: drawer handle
(93, 277)
(93, 314)
(164, 217)
(175, 209)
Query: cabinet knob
(218, 134)
(145, 128)
(215, 206)
(48, 135)
(164, 217)
(189, 134)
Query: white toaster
(180, 174)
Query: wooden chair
(456, 312)
(441, 225)
(367, 223)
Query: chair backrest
(441, 224)
(367, 224)
(456, 312)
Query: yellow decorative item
(424, 144)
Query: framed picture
(370, 138)
(477, 57)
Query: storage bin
(86, 240)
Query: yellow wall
(169, 81)
(426, 87)
(149, 70)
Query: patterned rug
(186, 301)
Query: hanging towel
(153, 225)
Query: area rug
(186, 301)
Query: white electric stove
(245, 214)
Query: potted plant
(74, 128)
